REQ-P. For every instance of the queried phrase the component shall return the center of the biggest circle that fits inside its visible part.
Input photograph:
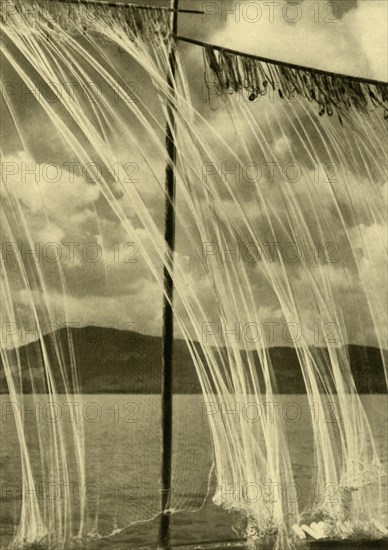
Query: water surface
(123, 442)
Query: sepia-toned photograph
(194, 275)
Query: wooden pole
(168, 318)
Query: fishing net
(246, 240)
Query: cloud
(56, 188)
(369, 25)
(112, 292)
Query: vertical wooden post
(168, 318)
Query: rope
(123, 5)
(283, 63)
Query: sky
(107, 280)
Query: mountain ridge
(110, 360)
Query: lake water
(123, 441)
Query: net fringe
(228, 73)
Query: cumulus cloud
(56, 186)
(369, 25)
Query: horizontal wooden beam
(277, 62)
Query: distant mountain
(113, 361)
